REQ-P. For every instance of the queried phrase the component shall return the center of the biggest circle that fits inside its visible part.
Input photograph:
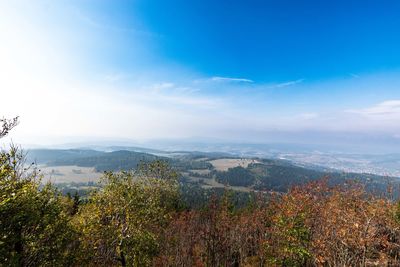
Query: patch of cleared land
(66, 174)
(225, 164)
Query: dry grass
(225, 164)
(65, 174)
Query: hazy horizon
(260, 72)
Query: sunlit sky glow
(248, 72)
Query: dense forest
(143, 217)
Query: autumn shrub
(316, 224)
(218, 235)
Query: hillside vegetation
(148, 217)
(139, 218)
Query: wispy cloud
(168, 94)
(390, 107)
(172, 88)
(230, 79)
(187, 90)
(162, 86)
(354, 75)
(286, 84)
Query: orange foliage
(311, 225)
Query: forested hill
(50, 156)
(208, 169)
(278, 177)
(109, 161)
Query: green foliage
(112, 161)
(237, 176)
(184, 164)
(288, 234)
(34, 227)
(195, 197)
(294, 238)
(158, 169)
(62, 156)
(123, 222)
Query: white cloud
(387, 108)
(286, 84)
(228, 79)
(169, 88)
(186, 90)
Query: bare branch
(7, 125)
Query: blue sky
(264, 41)
(249, 71)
